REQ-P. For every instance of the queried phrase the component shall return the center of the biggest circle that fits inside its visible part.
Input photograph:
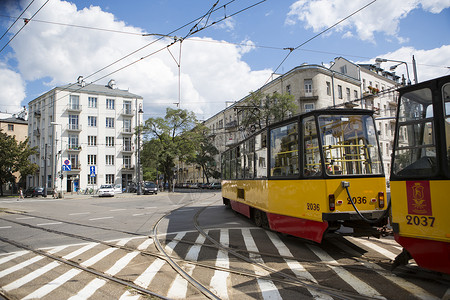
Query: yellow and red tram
(305, 176)
(420, 174)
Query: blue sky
(215, 65)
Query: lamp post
(138, 165)
(380, 60)
(56, 156)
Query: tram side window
(446, 98)
(226, 165)
(284, 150)
(261, 155)
(311, 152)
(240, 160)
(233, 163)
(249, 147)
(415, 152)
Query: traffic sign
(92, 171)
(67, 162)
(67, 168)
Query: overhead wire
(16, 19)
(25, 23)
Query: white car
(106, 190)
(118, 189)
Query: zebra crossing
(27, 275)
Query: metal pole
(414, 70)
(44, 193)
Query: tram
(309, 175)
(420, 173)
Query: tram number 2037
(420, 221)
(357, 200)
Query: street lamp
(380, 60)
(56, 156)
(138, 165)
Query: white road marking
(408, 286)
(80, 251)
(80, 213)
(123, 242)
(30, 276)
(267, 287)
(12, 256)
(220, 278)
(150, 207)
(170, 246)
(128, 296)
(89, 289)
(147, 276)
(118, 209)
(360, 286)
(178, 290)
(145, 244)
(121, 263)
(5, 227)
(49, 287)
(295, 266)
(24, 218)
(57, 249)
(98, 257)
(20, 266)
(375, 247)
(47, 224)
(102, 218)
(135, 215)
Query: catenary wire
(16, 19)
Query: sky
(202, 54)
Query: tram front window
(349, 145)
(415, 151)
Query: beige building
(344, 84)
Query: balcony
(73, 148)
(128, 112)
(127, 131)
(73, 108)
(127, 148)
(73, 127)
(231, 124)
(126, 167)
(76, 167)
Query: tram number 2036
(420, 221)
(357, 200)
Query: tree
(172, 140)
(14, 158)
(260, 110)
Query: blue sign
(67, 168)
(92, 171)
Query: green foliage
(14, 158)
(260, 110)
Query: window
(92, 121)
(91, 179)
(92, 140)
(284, 150)
(127, 144)
(126, 125)
(127, 162)
(308, 87)
(347, 90)
(73, 142)
(73, 122)
(328, 88)
(308, 107)
(261, 155)
(10, 127)
(355, 94)
(109, 160)
(344, 69)
(340, 91)
(109, 122)
(127, 107)
(109, 103)
(109, 141)
(92, 159)
(109, 178)
(92, 102)
(311, 153)
(364, 84)
(74, 161)
(74, 102)
(288, 89)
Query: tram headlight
(381, 199)
(331, 201)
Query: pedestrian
(55, 192)
(20, 194)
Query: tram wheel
(260, 218)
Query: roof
(97, 89)
(14, 120)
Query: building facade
(85, 135)
(345, 84)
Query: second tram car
(420, 175)
(309, 175)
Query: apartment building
(85, 135)
(345, 84)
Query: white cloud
(211, 73)
(430, 63)
(13, 90)
(381, 16)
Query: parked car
(118, 189)
(215, 186)
(106, 190)
(150, 188)
(34, 192)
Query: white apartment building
(344, 84)
(86, 133)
